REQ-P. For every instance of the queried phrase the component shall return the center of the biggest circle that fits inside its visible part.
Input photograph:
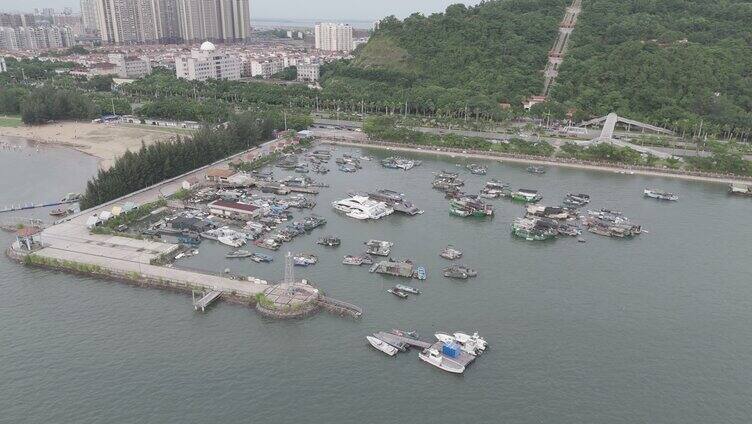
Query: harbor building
(334, 37)
(206, 63)
(234, 210)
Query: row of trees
(674, 63)
(385, 128)
(48, 104)
(166, 159)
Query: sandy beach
(106, 142)
(730, 179)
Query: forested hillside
(671, 62)
(468, 58)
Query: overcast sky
(296, 9)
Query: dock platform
(206, 300)
(390, 337)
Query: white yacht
(233, 240)
(435, 358)
(476, 340)
(361, 207)
(382, 345)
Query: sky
(365, 10)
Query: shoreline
(105, 142)
(537, 160)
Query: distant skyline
(343, 10)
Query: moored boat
(329, 241)
(435, 358)
(407, 289)
(239, 254)
(381, 345)
(450, 253)
(660, 195)
(397, 292)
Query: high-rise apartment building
(3, 67)
(36, 38)
(128, 21)
(206, 63)
(334, 37)
(218, 20)
(89, 16)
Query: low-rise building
(267, 68)
(130, 67)
(219, 175)
(206, 63)
(234, 210)
(309, 72)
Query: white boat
(382, 345)
(232, 240)
(435, 358)
(444, 338)
(361, 207)
(479, 342)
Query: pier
(205, 300)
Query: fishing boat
(239, 254)
(463, 213)
(536, 170)
(407, 289)
(397, 292)
(576, 200)
(459, 271)
(660, 195)
(347, 168)
(476, 169)
(534, 229)
(261, 258)
(381, 345)
(59, 212)
(378, 247)
(435, 358)
(329, 241)
(526, 195)
(740, 190)
(450, 253)
(352, 260)
(304, 259)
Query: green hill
(671, 62)
(468, 58)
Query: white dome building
(207, 63)
(207, 46)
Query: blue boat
(421, 273)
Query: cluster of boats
(357, 260)
(536, 170)
(378, 247)
(447, 181)
(329, 241)
(349, 163)
(610, 223)
(402, 291)
(451, 353)
(576, 200)
(399, 163)
(469, 205)
(404, 268)
(362, 208)
(495, 189)
(526, 196)
(393, 199)
(255, 257)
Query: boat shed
(234, 210)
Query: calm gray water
(655, 329)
